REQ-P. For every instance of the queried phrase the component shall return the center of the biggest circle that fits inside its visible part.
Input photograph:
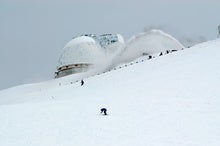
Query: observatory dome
(151, 42)
(82, 49)
(86, 51)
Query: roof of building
(82, 49)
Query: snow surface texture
(172, 100)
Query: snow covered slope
(172, 100)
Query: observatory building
(83, 52)
(148, 43)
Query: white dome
(80, 50)
(152, 42)
(79, 40)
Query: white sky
(33, 32)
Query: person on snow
(82, 82)
(104, 111)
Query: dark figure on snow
(82, 82)
(149, 57)
(104, 111)
(161, 54)
(167, 51)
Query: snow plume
(105, 61)
(186, 40)
(150, 42)
(100, 65)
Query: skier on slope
(82, 82)
(104, 111)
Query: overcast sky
(33, 31)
